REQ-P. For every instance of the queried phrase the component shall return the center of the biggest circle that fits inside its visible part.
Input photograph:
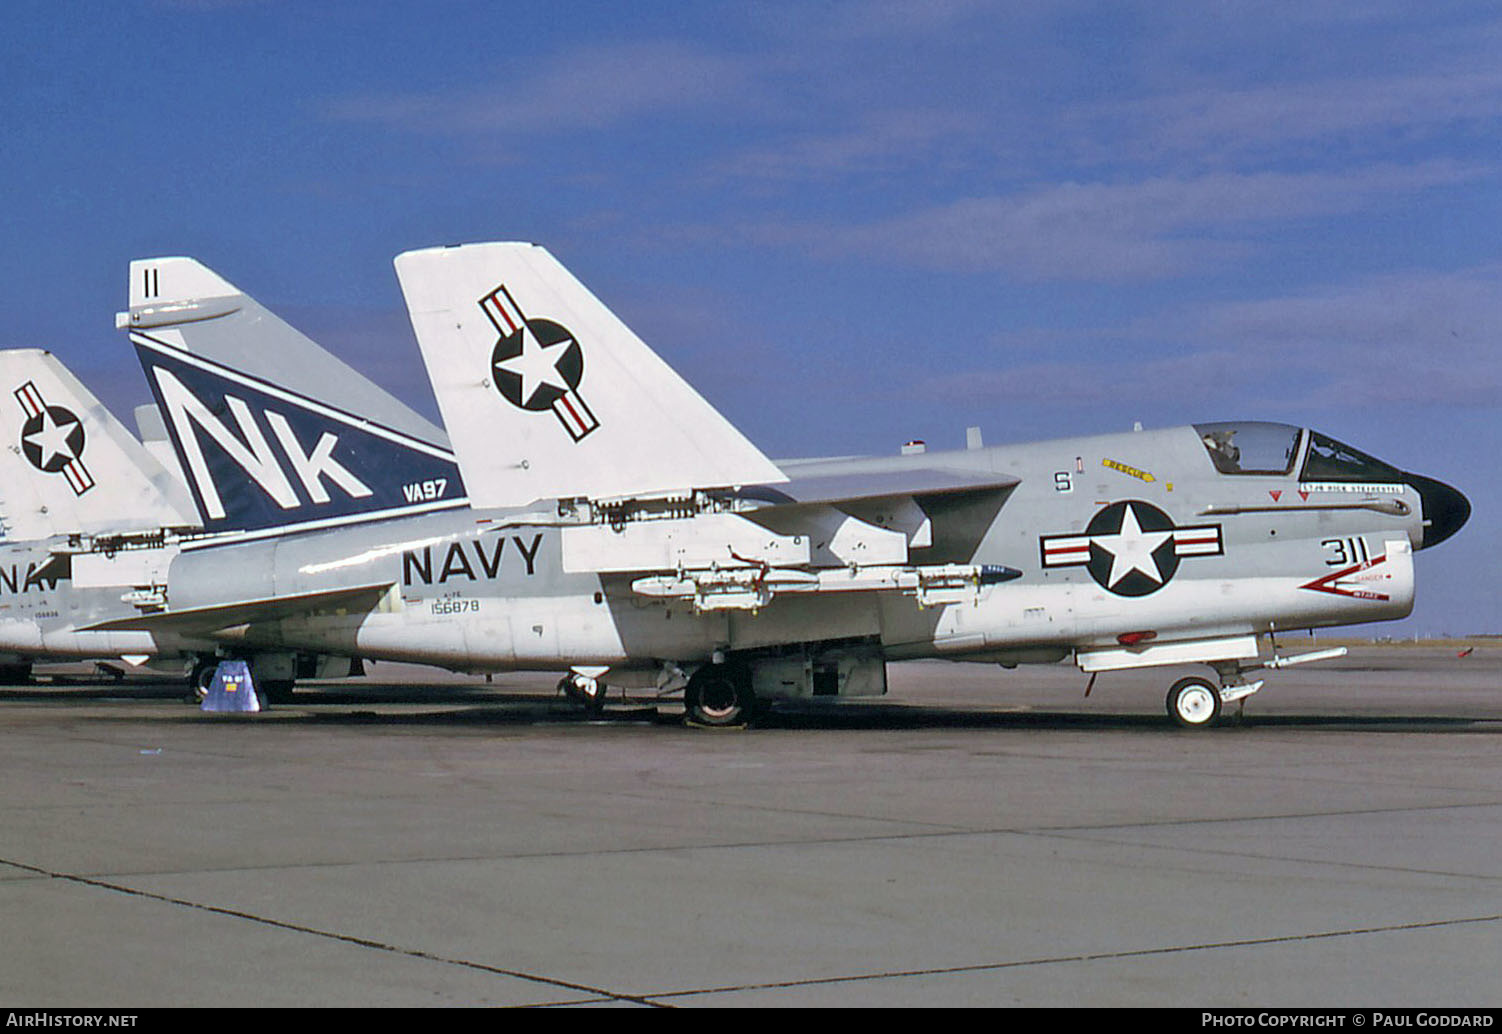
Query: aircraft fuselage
(1123, 542)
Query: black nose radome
(1445, 509)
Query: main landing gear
(585, 690)
(719, 695)
(201, 680)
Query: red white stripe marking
(30, 399)
(503, 311)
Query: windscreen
(1330, 460)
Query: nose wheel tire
(1194, 703)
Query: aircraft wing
(833, 526)
(207, 620)
(857, 486)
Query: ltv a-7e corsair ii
(592, 512)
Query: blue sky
(848, 224)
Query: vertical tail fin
(152, 430)
(71, 466)
(271, 431)
(547, 394)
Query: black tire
(1194, 703)
(592, 703)
(719, 695)
(201, 680)
(277, 691)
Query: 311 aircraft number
(1344, 552)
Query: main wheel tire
(278, 691)
(201, 680)
(1194, 703)
(719, 695)
(587, 693)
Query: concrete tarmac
(978, 837)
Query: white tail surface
(71, 466)
(547, 394)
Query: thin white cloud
(1353, 112)
(1420, 338)
(1096, 231)
(585, 88)
(1392, 342)
(1091, 381)
(871, 141)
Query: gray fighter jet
(91, 522)
(595, 514)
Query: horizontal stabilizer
(547, 394)
(207, 620)
(71, 466)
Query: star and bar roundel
(1131, 547)
(52, 439)
(537, 364)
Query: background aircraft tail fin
(71, 466)
(547, 394)
(181, 303)
(271, 430)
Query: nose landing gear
(1195, 702)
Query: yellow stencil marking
(1122, 468)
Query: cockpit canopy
(1251, 447)
(1256, 447)
(1259, 447)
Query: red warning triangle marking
(1275, 494)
